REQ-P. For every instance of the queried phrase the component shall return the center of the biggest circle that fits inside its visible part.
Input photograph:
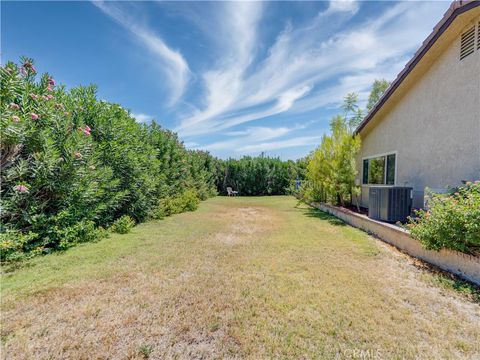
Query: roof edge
(456, 8)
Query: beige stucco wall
(433, 123)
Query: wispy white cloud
(347, 6)
(223, 84)
(191, 144)
(247, 136)
(259, 138)
(142, 118)
(282, 144)
(172, 63)
(283, 103)
(306, 67)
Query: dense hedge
(72, 164)
(261, 175)
(451, 221)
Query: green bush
(188, 201)
(123, 225)
(452, 221)
(72, 164)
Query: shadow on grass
(319, 214)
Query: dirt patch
(245, 224)
(115, 319)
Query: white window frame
(385, 169)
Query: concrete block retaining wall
(463, 265)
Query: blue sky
(233, 78)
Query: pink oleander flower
(49, 88)
(23, 71)
(21, 188)
(15, 119)
(34, 116)
(29, 65)
(33, 96)
(51, 81)
(77, 155)
(49, 97)
(86, 130)
(14, 106)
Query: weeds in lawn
(449, 281)
(145, 350)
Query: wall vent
(467, 43)
(478, 36)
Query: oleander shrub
(451, 221)
(72, 164)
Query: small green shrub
(123, 225)
(82, 231)
(12, 243)
(452, 221)
(187, 201)
(145, 350)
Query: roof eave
(456, 8)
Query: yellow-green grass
(239, 278)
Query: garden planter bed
(463, 265)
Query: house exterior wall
(434, 127)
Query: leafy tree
(331, 170)
(378, 88)
(350, 104)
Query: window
(379, 170)
(390, 169)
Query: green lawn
(239, 278)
